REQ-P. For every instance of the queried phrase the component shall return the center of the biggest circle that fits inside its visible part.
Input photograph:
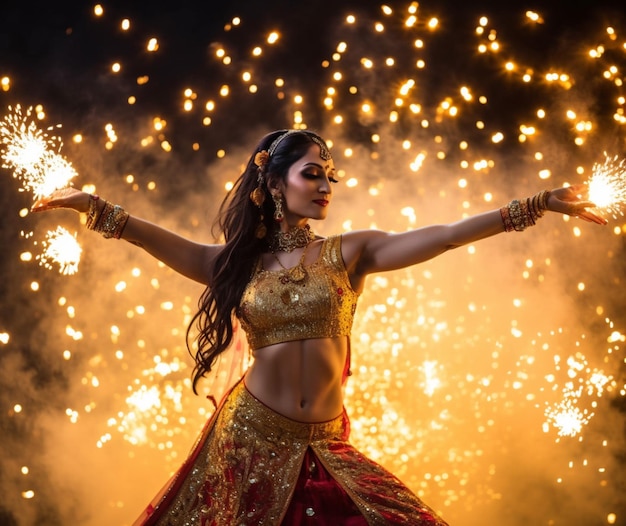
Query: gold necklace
(296, 237)
(294, 274)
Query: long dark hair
(238, 221)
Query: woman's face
(307, 190)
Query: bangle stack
(518, 215)
(110, 221)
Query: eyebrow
(319, 166)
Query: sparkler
(607, 185)
(62, 248)
(33, 155)
(35, 160)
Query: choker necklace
(296, 237)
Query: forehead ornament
(324, 151)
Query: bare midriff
(301, 379)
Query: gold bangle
(519, 215)
(110, 222)
(505, 214)
(92, 212)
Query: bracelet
(519, 215)
(92, 212)
(110, 222)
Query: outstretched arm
(375, 251)
(182, 255)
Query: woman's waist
(270, 423)
(302, 379)
(296, 398)
(323, 358)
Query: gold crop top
(276, 307)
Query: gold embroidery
(249, 463)
(320, 305)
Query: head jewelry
(324, 151)
(262, 158)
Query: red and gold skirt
(253, 466)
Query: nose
(325, 186)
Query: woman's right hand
(63, 198)
(571, 200)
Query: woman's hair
(238, 222)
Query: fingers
(46, 203)
(581, 210)
(579, 189)
(41, 205)
(578, 186)
(573, 204)
(57, 199)
(591, 217)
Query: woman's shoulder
(353, 244)
(360, 237)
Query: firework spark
(33, 155)
(607, 185)
(431, 381)
(567, 417)
(62, 248)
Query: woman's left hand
(63, 198)
(569, 200)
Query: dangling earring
(278, 203)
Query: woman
(276, 451)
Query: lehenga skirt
(253, 466)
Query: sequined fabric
(319, 500)
(275, 308)
(249, 462)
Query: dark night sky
(58, 53)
